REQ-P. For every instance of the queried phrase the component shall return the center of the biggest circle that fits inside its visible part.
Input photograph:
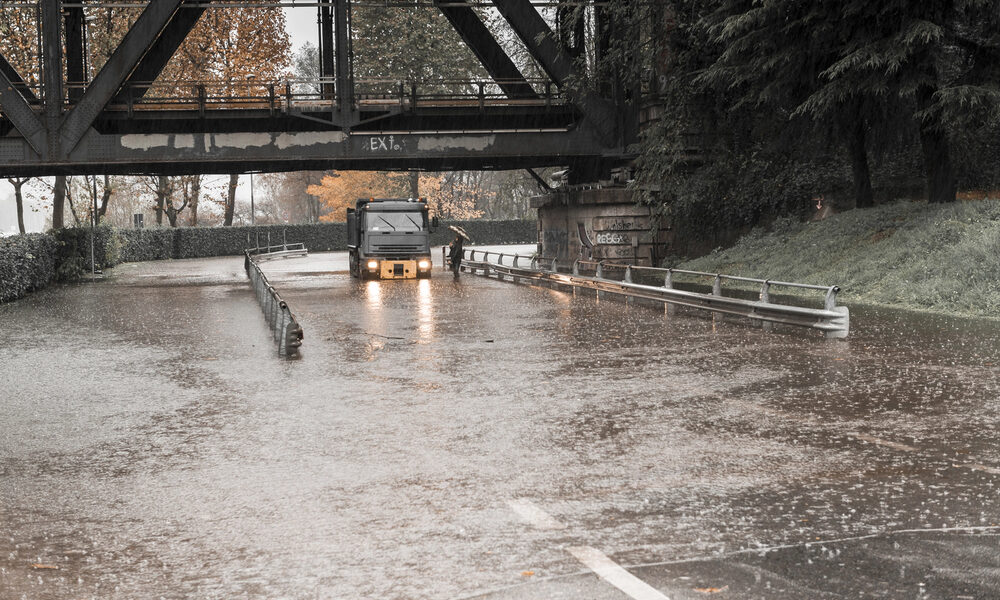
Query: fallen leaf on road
(527, 573)
(41, 566)
(712, 590)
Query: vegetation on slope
(907, 254)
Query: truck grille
(398, 248)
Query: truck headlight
(424, 264)
(372, 265)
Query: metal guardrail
(282, 250)
(833, 320)
(286, 329)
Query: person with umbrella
(455, 248)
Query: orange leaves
(711, 590)
(340, 191)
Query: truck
(389, 238)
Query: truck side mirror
(435, 222)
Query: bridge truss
(124, 121)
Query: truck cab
(389, 238)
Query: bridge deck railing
(832, 319)
(317, 94)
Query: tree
(288, 191)
(340, 190)
(229, 207)
(770, 61)
(861, 65)
(18, 184)
(409, 44)
(19, 41)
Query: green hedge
(489, 232)
(138, 245)
(27, 263)
(199, 242)
(73, 256)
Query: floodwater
(153, 444)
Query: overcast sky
(301, 25)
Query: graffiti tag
(613, 239)
(386, 143)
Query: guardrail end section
(843, 322)
(291, 340)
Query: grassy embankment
(942, 258)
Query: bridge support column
(345, 75)
(599, 224)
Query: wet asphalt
(469, 438)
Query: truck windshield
(394, 221)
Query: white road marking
(531, 514)
(880, 442)
(610, 571)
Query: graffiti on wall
(610, 238)
(555, 242)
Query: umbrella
(460, 232)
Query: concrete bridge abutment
(599, 223)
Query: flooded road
(469, 438)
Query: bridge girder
(78, 130)
(240, 152)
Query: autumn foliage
(340, 190)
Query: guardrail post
(830, 302)
(555, 268)
(765, 297)
(668, 282)
(599, 274)
(717, 286)
(844, 321)
(534, 263)
(629, 300)
(576, 267)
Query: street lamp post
(253, 212)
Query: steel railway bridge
(124, 120)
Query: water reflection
(425, 310)
(373, 294)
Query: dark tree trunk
(59, 202)
(72, 206)
(193, 200)
(162, 190)
(105, 198)
(940, 174)
(414, 184)
(857, 147)
(234, 180)
(312, 202)
(19, 202)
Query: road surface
(468, 438)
